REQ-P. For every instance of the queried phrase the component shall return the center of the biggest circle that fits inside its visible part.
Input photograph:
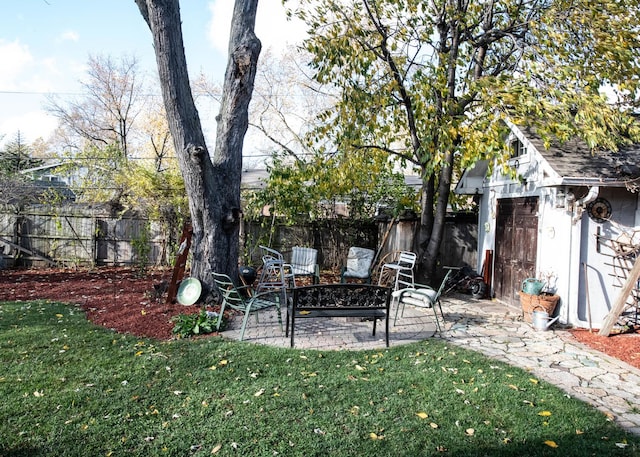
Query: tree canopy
(310, 176)
(432, 82)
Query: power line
(85, 94)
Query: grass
(69, 388)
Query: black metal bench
(340, 300)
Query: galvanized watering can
(532, 286)
(541, 320)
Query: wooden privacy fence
(333, 237)
(75, 235)
(79, 235)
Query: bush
(187, 325)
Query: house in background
(568, 217)
(46, 180)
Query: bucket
(541, 320)
(532, 286)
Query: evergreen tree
(16, 156)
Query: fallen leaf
(514, 387)
(544, 413)
(433, 425)
(551, 443)
(216, 449)
(534, 381)
(223, 362)
(422, 415)
(470, 432)
(373, 436)
(258, 393)
(303, 313)
(579, 432)
(359, 368)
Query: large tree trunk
(233, 120)
(213, 187)
(430, 255)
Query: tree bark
(212, 186)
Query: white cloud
(22, 80)
(21, 71)
(70, 35)
(273, 28)
(16, 60)
(32, 125)
(220, 25)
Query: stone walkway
(488, 327)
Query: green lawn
(69, 388)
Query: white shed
(570, 218)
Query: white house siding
(566, 236)
(600, 282)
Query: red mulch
(622, 346)
(118, 299)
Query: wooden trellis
(625, 263)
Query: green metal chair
(241, 299)
(421, 296)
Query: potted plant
(539, 293)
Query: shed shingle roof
(574, 160)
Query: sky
(45, 46)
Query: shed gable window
(517, 148)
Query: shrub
(187, 325)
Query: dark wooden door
(516, 246)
